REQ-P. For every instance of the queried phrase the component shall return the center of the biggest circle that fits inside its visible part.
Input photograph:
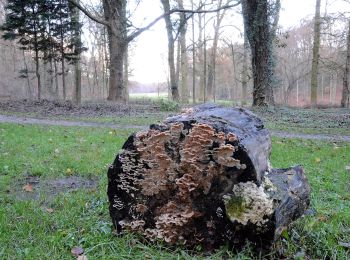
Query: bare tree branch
(136, 33)
(150, 25)
(88, 14)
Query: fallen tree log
(203, 178)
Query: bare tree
(212, 59)
(345, 92)
(171, 51)
(315, 54)
(183, 54)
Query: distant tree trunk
(183, 55)
(56, 79)
(29, 90)
(171, 51)
(37, 64)
(234, 83)
(257, 29)
(201, 57)
(178, 63)
(345, 92)
(272, 57)
(245, 70)
(204, 61)
(77, 49)
(315, 54)
(213, 54)
(193, 62)
(63, 68)
(126, 74)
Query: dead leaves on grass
(28, 188)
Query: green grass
(81, 218)
(309, 121)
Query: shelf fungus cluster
(203, 178)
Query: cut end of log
(194, 181)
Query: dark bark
(114, 12)
(203, 178)
(77, 46)
(346, 90)
(257, 29)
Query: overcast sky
(148, 59)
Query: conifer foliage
(45, 28)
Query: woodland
(237, 147)
(70, 50)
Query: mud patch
(49, 188)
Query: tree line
(51, 30)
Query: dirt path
(36, 121)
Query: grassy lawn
(309, 121)
(49, 226)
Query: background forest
(79, 56)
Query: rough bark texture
(114, 12)
(203, 178)
(315, 54)
(257, 29)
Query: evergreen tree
(45, 27)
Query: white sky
(149, 57)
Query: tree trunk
(212, 60)
(29, 90)
(315, 54)
(245, 70)
(63, 68)
(346, 93)
(193, 62)
(256, 25)
(203, 178)
(115, 14)
(77, 49)
(201, 58)
(171, 52)
(184, 63)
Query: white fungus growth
(248, 203)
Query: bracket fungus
(204, 178)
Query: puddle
(49, 188)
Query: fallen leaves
(77, 251)
(28, 188)
(49, 210)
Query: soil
(49, 188)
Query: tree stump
(203, 178)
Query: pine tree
(45, 27)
